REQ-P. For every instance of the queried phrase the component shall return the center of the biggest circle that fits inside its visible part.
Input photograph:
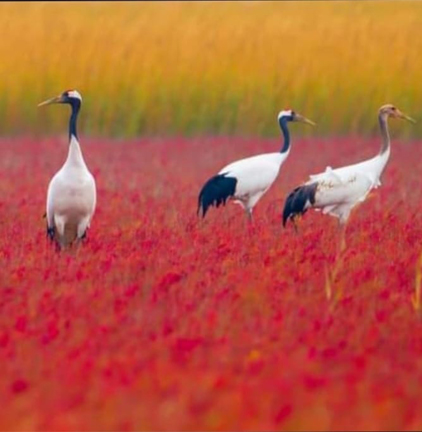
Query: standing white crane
(337, 191)
(72, 195)
(247, 180)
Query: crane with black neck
(71, 194)
(246, 181)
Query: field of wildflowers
(166, 321)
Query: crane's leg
(59, 225)
(82, 232)
(83, 227)
(244, 203)
(342, 238)
(293, 219)
(342, 230)
(249, 204)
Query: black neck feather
(75, 104)
(286, 134)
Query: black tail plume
(297, 201)
(216, 191)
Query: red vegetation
(164, 321)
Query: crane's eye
(393, 109)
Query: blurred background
(209, 68)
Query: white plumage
(341, 189)
(254, 176)
(247, 180)
(71, 195)
(337, 191)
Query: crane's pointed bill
(51, 101)
(404, 116)
(301, 118)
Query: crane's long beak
(301, 118)
(408, 118)
(53, 100)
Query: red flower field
(164, 321)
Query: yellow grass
(163, 68)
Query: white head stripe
(74, 94)
(284, 113)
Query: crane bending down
(337, 191)
(71, 195)
(247, 180)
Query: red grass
(164, 321)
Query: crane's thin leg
(342, 235)
(249, 214)
(293, 219)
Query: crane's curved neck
(286, 135)
(385, 147)
(74, 158)
(76, 106)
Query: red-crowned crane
(337, 191)
(72, 194)
(247, 180)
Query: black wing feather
(297, 199)
(216, 191)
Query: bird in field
(246, 181)
(71, 195)
(337, 191)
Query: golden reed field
(201, 68)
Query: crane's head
(390, 110)
(71, 97)
(292, 116)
